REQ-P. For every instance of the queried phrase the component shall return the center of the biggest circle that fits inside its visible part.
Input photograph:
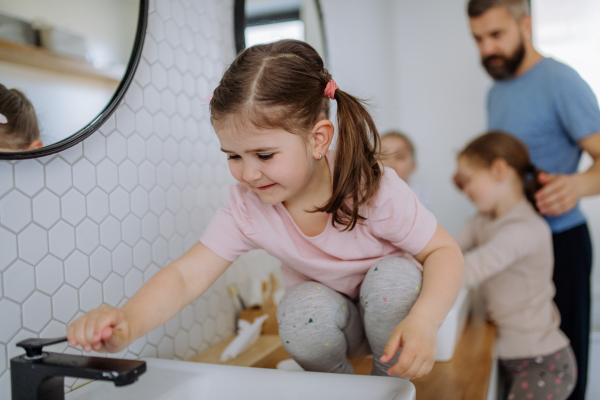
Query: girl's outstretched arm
(110, 329)
(443, 267)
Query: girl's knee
(391, 281)
(312, 303)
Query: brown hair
(281, 85)
(485, 149)
(401, 136)
(22, 126)
(517, 8)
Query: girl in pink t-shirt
(365, 264)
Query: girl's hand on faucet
(417, 337)
(105, 329)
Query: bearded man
(552, 109)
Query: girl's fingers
(71, 335)
(405, 361)
(106, 320)
(106, 333)
(391, 348)
(80, 331)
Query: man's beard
(508, 68)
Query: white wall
(571, 34)
(91, 224)
(418, 64)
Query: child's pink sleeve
(397, 215)
(225, 233)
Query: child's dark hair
(21, 128)
(485, 149)
(401, 136)
(281, 85)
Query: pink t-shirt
(397, 224)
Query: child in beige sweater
(508, 250)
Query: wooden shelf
(265, 353)
(37, 57)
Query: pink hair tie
(330, 89)
(3, 119)
(207, 100)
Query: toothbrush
(236, 294)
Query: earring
(320, 156)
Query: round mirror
(264, 21)
(64, 67)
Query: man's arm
(562, 192)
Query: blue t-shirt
(550, 108)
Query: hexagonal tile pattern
(8, 248)
(29, 176)
(19, 281)
(65, 304)
(49, 275)
(97, 205)
(122, 259)
(73, 207)
(116, 147)
(119, 203)
(90, 224)
(110, 233)
(86, 236)
(15, 211)
(90, 295)
(84, 176)
(33, 244)
(6, 177)
(62, 240)
(76, 269)
(46, 209)
(100, 264)
(58, 176)
(113, 289)
(10, 315)
(36, 311)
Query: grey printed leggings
(550, 377)
(320, 328)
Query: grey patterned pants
(550, 377)
(320, 328)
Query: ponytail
(356, 173)
(531, 183)
(283, 85)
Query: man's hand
(559, 194)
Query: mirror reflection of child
(19, 129)
(346, 231)
(398, 153)
(508, 250)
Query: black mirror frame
(240, 23)
(114, 102)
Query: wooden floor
(466, 376)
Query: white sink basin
(452, 328)
(181, 380)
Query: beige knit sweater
(512, 258)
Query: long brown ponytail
(281, 85)
(496, 144)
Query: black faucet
(39, 375)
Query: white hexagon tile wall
(91, 224)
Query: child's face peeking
(396, 155)
(479, 184)
(274, 164)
